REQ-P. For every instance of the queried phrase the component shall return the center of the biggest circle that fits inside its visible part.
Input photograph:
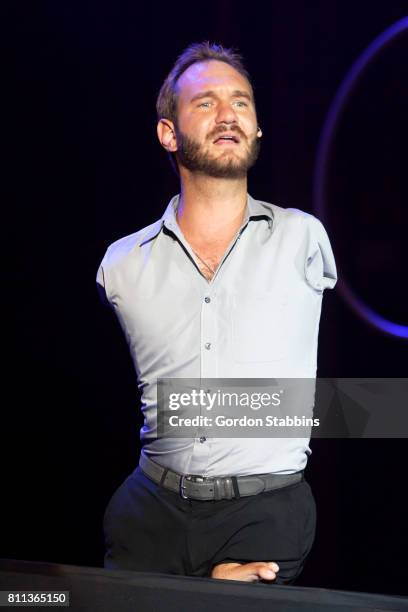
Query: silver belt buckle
(190, 477)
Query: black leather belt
(191, 486)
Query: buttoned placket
(208, 327)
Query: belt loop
(235, 487)
(163, 477)
(218, 493)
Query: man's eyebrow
(237, 93)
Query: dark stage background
(83, 167)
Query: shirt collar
(259, 210)
(255, 210)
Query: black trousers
(148, 528)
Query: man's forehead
(209, 75)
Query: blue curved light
(324, 156)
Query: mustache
(223, 129)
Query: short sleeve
(320, 265)
(101, 285)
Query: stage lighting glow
(323, 160)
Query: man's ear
(166, 133)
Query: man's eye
(240, 104)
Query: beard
(190, 154)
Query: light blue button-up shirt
(258, 317)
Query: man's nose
(226, 114)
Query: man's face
(216, 121)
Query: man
(222, 286)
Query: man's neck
(211, 207)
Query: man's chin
(227, 171)
(228, 165)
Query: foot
(247, 572)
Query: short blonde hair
(166, 104)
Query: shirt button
(202, 439)
(207, 345)
(207, 300)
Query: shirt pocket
(259, 328)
